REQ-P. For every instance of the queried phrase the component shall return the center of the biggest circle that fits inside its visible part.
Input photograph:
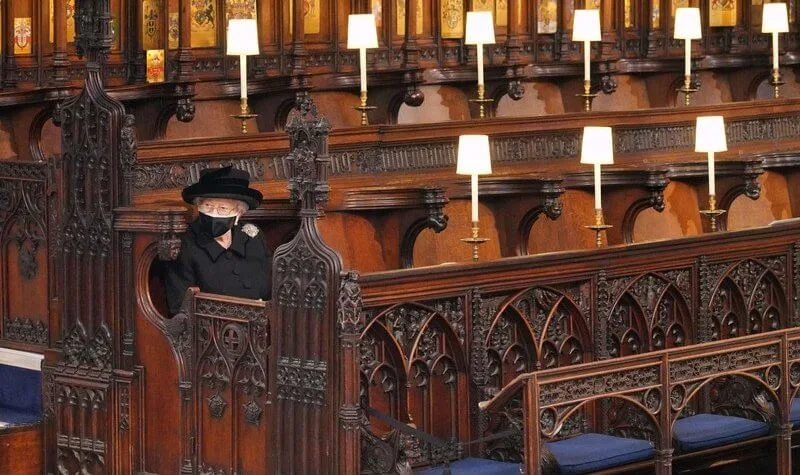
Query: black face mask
(215, 226)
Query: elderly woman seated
(218, 253)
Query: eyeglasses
(222, 210)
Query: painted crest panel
(204, 24)
(547, 21)
(240, 9)
(452, 18)
(723, 13)
(23, 36)
(155, 65)
(151, 24)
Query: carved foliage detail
(304, 278)
(80, 351)
(350, 313)
(25, 330)
(23, 209)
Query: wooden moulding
(388, 287)
(361, 140)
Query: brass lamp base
(776, 81)
(687, 90)
(712, 213)
(482, 101)
(474, 241)
(599, 227)
(244, 115)
(364, 108)
(587, 96)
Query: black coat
(242, 270)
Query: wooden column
(298, 51)
(136, 43)
(10, 66)
(350, 325)
(60, 57)
(513, 43)
(410, 47)
(184, 57)
(305, 364)
(91, 387)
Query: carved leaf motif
(25, 330)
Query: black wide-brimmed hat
(225, 182)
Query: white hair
(243, 207)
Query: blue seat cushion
(794, 416)
(592, 452)
(704, 431)
(21, 389)
(13, 417)
(475, 466)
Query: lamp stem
(479, 48)
(775, 50)
(243, 78)
(687, 66)
(587, 61)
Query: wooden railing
(459, 333)
(662, 385)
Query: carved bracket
(407, 201)
(631, 191)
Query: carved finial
(309, 161)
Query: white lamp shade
(242, 37)
(474, 157)
(480, 28)
(687, 24)
(586, 25)
(361, 31)
(710, 134)
(775, 18)
(597, 146)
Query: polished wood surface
(21, 450)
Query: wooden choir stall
(403, 334)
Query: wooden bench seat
(20, 412)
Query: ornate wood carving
(98, 149)
(652, 312)
(511, 148)
(157, 176)
(25, 330)
(305, 283)
(27, 200)
(795, 317)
